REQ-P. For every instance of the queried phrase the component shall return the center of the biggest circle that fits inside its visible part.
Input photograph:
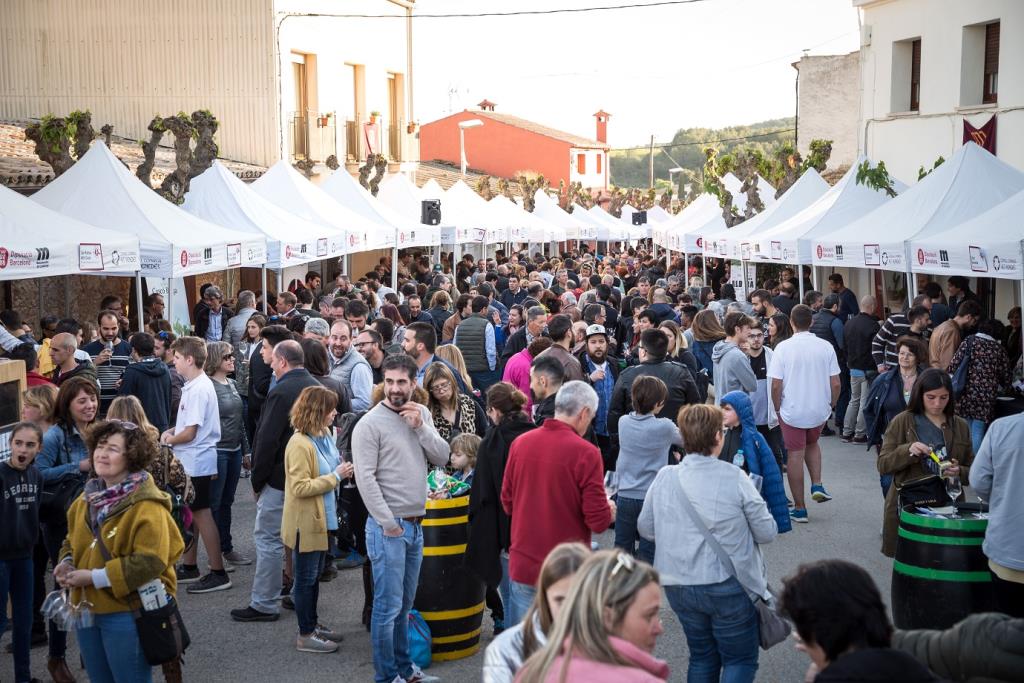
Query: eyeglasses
(442, 387)
(124, 424)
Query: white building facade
(926, 66)
(828, 105)
(589, 167)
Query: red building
(507, 145)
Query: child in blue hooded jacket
(746, 448)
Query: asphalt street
(225, 651)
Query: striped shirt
(110, 372)
(883, 346)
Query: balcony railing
(313, 135)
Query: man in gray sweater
(391, 445)
(732, 369)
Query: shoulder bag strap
(695, 517)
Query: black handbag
(162, 632)
(926, 491)
(57, 496)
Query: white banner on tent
(1000, 260)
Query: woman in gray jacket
(713, 604)
(506, 654)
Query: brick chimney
(486, 105)
(602, 125)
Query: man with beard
(601, 374)
(764, 309)
(546, 377)
(348, 366)
(111, 355)
(391, 446)
(760, 357)
(371, 345)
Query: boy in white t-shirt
(194, 439)
(804, 376)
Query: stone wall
(79, 298)
(829, 106)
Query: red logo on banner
(983, 136)
(352, 239)
(184, 259)
(700, 242)
(287, 251)
(4, 257)
(820, 250)
(920, 257)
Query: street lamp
(463, 125)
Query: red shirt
(554, 492)
(34, 379)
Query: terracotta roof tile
(574, 140)
(447, 175)
(21, 169)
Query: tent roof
(526, 226)
(658, 214)
(678, 234)
(988, 245)
(287, 188)
(472, 222)
(571, 225)
(39, 242)
(218, 196)
(968, 184)
(729, 242)
(404, 231)
(609, 229)
(789, 241)
(99, 190)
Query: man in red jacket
(553, 491)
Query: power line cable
(512, 13)
(670, 145)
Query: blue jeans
(222, 493)
(112, 651)
(306, 568)
(16, 580)
(721, 629)
(627, 511)
(978, 428)
(520, 597)
(396, 571)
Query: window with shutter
(991, 87)
(915, 75)
(581, 163)
(598, 163)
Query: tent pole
(263, 277)
(704, 264)
(800, 278)
(814, 278)
(138, 300)
(394, 268)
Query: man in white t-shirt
(804, 375)
(194, 440)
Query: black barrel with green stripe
(940, 574)
(450, 596)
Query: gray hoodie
(732, 370)
(1001, 452)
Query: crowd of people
(565, 395)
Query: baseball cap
(595, 329)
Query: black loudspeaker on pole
(430, 212)
(639, 218)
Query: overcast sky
(712, 63)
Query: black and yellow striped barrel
(450, 597)
(940, 574)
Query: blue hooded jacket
(761, 460)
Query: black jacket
(513, 345)
(490, 529)
(149, 380)
(858, 332)
(203, 321)
(259, 383)
(544, 410)
(876, 664)
(274, 429)
(19, 508)
(983, 647)
(682, 390)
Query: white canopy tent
(569, 225)
(99, 190)
(406, 231)
(401, 195)
(218, 196)
(475, 214)
(287, 188)
(734, 243)
(636, 232)
(525, 226)
(696, 213)
(656, 214)
(988, 245)
(609, 228)
(38, 242)
(968, 184)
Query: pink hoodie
(517, 373)
(646, 668)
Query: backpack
(960, 376)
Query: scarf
(102, 500)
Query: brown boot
(172, 671)
(59, 671)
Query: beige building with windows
(927, 66)
(287, 79)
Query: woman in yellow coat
(133, 517)
(313, 471)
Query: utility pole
(650, 165)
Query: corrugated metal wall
(126, 60)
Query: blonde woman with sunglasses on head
(607, 627)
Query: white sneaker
(314, 643)
(417, 676)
